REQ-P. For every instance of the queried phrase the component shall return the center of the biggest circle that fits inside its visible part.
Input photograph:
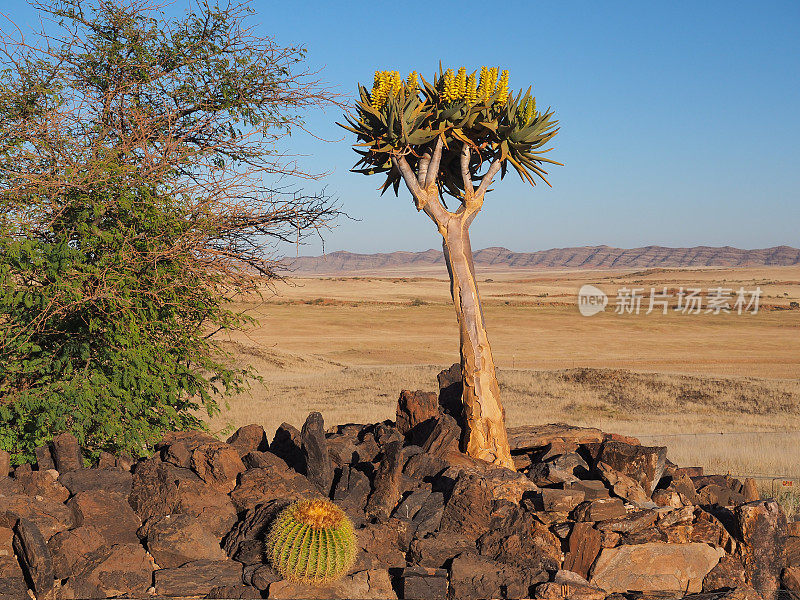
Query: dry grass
(347, 346)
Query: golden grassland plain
(347, 345)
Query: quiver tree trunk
(484, 417)
(484, 434)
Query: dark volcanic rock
(197, 577)
(584, 546)
(319, 469)
(763, 527)
(250, 438)
(72, 550)
(12, 581)
(287, 444)
(124, 569)
(592, 489)
(416, 414)
(109, 480)
(42, 484)
(252, 528)
(532, 437)
(217, 464)
(729, 573)
(66, 453)
(443, 438)
(450, 391)
(473, 576)
(468, 510)
(161, 488)
(438, 550)
(386, 493)
(262, 485)
(424, 583)
(600, 510)
(233, 592)
(554, 500)
(174, 540)
(643, 464)
(630, 523)
(429, 517)
(109, 513)
(34, 556)
(351, 492)
(44, 458)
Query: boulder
(34, 556)
(438, 550)
(584, 546)
(569, 586)
(234, 592)
(792, 551)
(429, 517)
(592, 489)
(468, 510)
(416, 413)
(257, 486)
(554, 500)
(263, 576)
(473, 576)
(443, 438)
(66, 453)
(217, 464)
(425, 466)
(622, 485)
(654, 567)
(124, 569)
(250, 438)
(44, 484)
(424, 583)
(174, 540)
(450, 391)
(532, 437)
(791, 579)
(176, 447)
(12, 580)
(319, 469)
(72, 550)
(643, 464)
(383, 545)
(253, 526)
(630, 523)
(44, 458)
(750, 490)
(197, 577)
(763, 527)
(49, 516)
(109, 513)
(600, 510)
(362, 585)
(729, 573)
(160, 488)
(287, 444)
(386, 492)
(351, 492)
(108, 480)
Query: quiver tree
(450, 138)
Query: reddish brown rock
(72, 550)
(791, 579)
(43, 484)
(44, 458)
(630, 523)
(217, 464)
(530, 437)
(257, 486)
(792, 551)
(108, 480)
(383, 545)
(750, 490)
(286, 444)
(34, 556)
(424, 583)
(763, 527)
(477, 577)
(386, 493)
(622, 485)
(250, 438)
(444, 437)
(584, 546)
(643, 464)
(49, 516)
(67, 454)
(655, 567)
(107, 512)
(124, 569)
(372, 584)
(176, 447)
(729, 573)
(416, 411)
(468, 511)
(197, 578)
(12, 580)
(554, 500)
(161, 489)
(592, 489)
(600, 510)
(174, 540)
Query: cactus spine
(312, 541)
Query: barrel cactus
(312, 541)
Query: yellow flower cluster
(386, 84)
(530, 110)
(412, 81)
(463, 86)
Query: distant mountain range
(585, 257)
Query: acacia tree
(137, 159)
(451, 137)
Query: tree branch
(486, 181)
(466, 177)
(433, 166)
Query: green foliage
(134, 157)
(402, 118)
(312, 541)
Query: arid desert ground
(720, 390)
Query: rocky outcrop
(586, 515)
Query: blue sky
(680, 122)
